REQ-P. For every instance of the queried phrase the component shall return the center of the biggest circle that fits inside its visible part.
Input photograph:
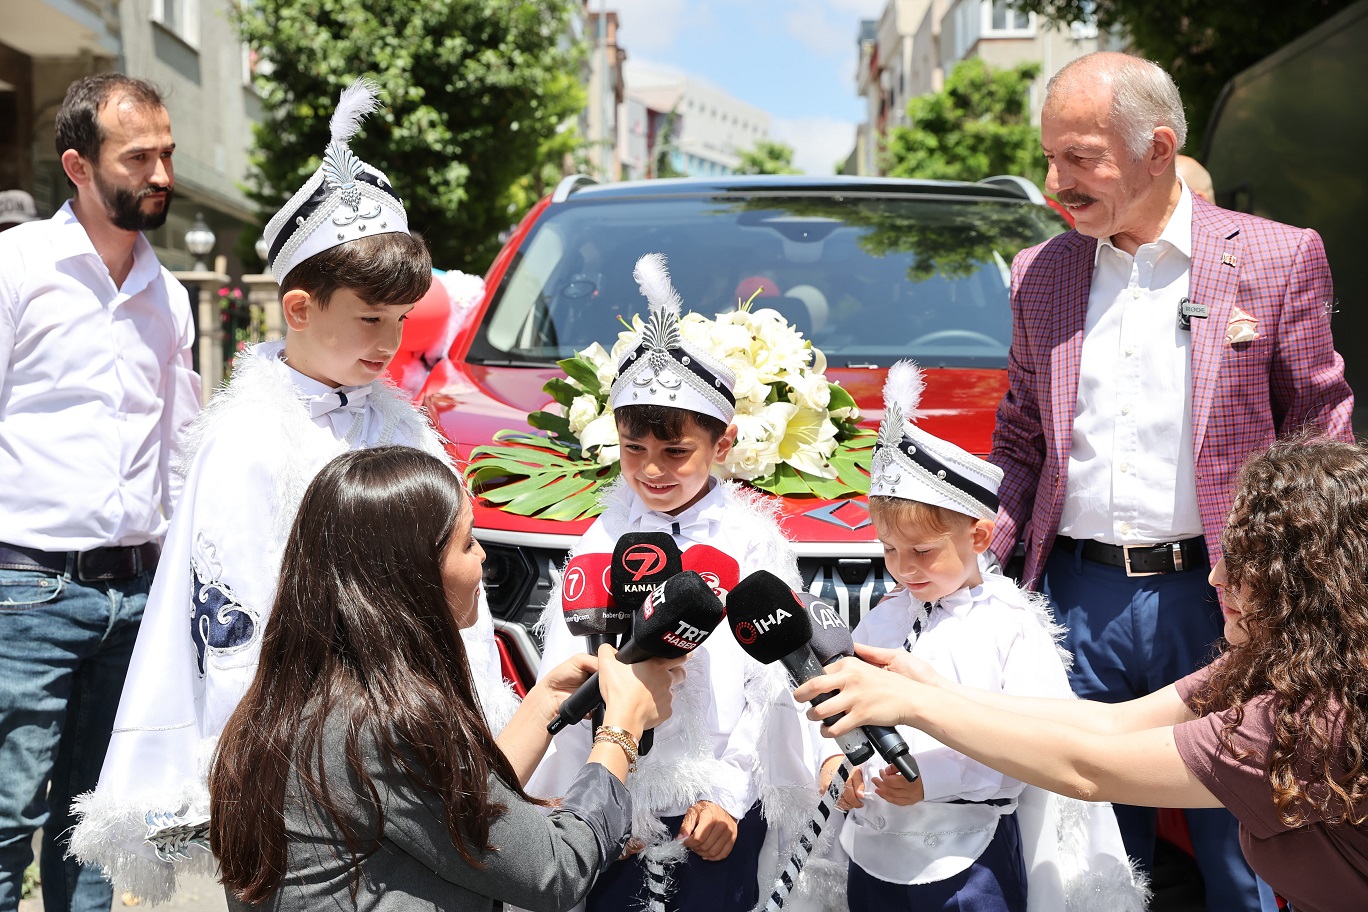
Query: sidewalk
(199, 893)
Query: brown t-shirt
(1316, 867)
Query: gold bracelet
(611, 734)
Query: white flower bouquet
(797, 433)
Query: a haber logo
(642, 560)
(574, 584)
(714, 583)
(745, 633)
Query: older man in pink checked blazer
(1153, 349)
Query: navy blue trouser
(995, 882)
(728, 885)
(1132, 636)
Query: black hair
(78, 120)
(665, 422)
(390, 268)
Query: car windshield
(869, 280)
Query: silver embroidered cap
(662, 368)
(912, 464)
(345, 199)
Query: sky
(793, 59)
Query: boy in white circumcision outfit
(962, 836)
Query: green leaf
(839, 397)
(556, 424)
(562, 391)
(583, 373)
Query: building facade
(701, 129)
(188, 49)
(914, 44)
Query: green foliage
(768, 157)
(979, 125)
(1201, 45)
(663, 158)
(474, 94)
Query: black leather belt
(1143, 560)
(86, 566)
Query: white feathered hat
(911, 464)
(665, 369)
(344, 200)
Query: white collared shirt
(1131, 472)
(95, 387)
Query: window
(1004, 21)
(180, 17)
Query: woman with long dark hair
(1275, 729)
(358, 769)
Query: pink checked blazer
(1243, 395)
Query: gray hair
(1144, 96)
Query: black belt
(1143, 560)
(86, 566)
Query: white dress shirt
(1131, 469)
(95, 387)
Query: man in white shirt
(95, 386)
(1154, 348)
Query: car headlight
(509, 577)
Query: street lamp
(199, 240)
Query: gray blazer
(540, 861)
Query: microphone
(830, 641)
(674, 618)
(587, 601)
(641, 562)
(718, 569)
(772, 625)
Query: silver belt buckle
(1126, 552)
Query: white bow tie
(696, 529)
(350, 399)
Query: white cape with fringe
(248, 459)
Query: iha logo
(643, 560)
(745, 633)
(574, 584)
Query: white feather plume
(358, 99)
(654, 280)
(903, 389)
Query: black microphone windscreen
(767, 618)
(676, 616)
(830, 635)
(642, 561)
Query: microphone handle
(647, 741)
(802, 666)
(894, 750)
(578, 705)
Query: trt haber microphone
(718, 568)
(673, 620)
(772, 625)
(587, 602)
(830, 641)
(641, 562)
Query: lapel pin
(1229, 259)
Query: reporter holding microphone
(1275, 729)
(358, 771)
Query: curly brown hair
(1296, 549)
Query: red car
(870, 270)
